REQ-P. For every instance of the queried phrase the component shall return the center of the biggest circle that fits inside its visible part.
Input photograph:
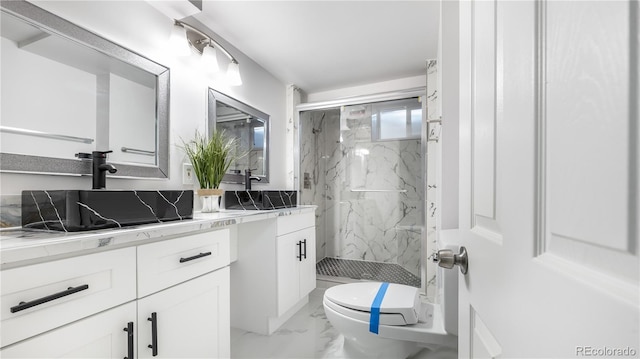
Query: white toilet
(405, 323)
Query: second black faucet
(248, 178)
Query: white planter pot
(210, 199)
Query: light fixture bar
(202, 42)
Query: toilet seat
(400, 304)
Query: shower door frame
(361, 100)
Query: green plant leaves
(211, 157)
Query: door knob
(446, 259)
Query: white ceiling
(325, 45)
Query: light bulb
(209, 59)
(178, 41)
(233, 74)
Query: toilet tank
(447, 283)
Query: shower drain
(381, 272)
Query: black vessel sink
(260, 200)
(82, 210)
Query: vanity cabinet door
(41, 297)
(98, 336)
(191, 319)
(288, 277)
(296, 272)
(308, 264)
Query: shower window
(258, 138)
(396, 120)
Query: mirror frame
(214, 97)
(54, 24)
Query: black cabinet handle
(129, 330)
(33, 303)
(154, 334)
(182, 260)
(299, 256)
(305, 248)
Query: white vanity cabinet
(172, 295)
(183, 290)
(41, 297)
(99, 336)
(296, 256)
(191, 319)
(275, 271)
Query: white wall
(140, 27)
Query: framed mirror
(66, 90)
(250, 126)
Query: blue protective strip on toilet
(374, 320)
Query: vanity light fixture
(178, 42)
(185, 35)
(233, 74)
(209, 59)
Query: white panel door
(288, 271)
(308, 263)
(192, 319)
(549, 208)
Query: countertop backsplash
(10, 210)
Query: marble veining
(10, 215)
(293, 99)
(367, 189)
(19, 246)
(40, 212)
(54, 208)
(148, 206)
(432, 199)
(376, 184)
(76, 210)
(370, 193)
(315, 136)
(260, 200)
(97, 215)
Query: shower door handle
(446, 259)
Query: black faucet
(100, 167)
(248, 178)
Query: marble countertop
(19, 246)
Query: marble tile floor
(308, 334)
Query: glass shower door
(375, 183)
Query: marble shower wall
(315, 138)
(368, 192)
(377, 182)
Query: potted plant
(211, 158)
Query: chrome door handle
(446, 259)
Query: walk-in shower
(362, 166)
